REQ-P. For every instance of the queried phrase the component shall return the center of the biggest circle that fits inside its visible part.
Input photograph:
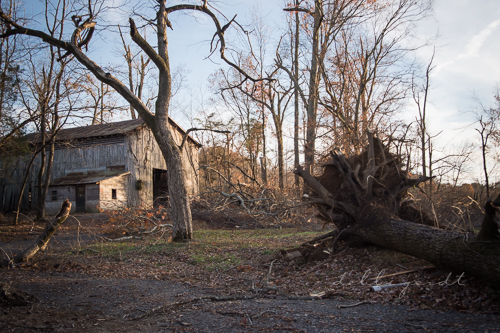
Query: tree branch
(144, 45)
(199, 129)
(244, 173)
(20, 30)
(74, 49)
(220, 33)
(299, 9)
(321, 190)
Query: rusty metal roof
(92, 131)
(101, 130)
(82, 178)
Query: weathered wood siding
(120, 185)
(92, 198)
(92, 155)
(144, 155)
(136, 152)
(12, 173)
(190, 160)
(52, 206)
(88, 155)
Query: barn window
(54, 195)
(113, 193)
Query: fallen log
(364, 196)
(456, 251)
(41, 241)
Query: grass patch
(211, 249)
(216, 261)
(139, 247)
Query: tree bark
(456, 251)
(314, 80)
(177, 187)
(296, 152)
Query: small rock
(293, 255)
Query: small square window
(54, 195)
(113, 193)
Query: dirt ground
(178, 290)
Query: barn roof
(102, 130)
(80, 178)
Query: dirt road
(78, 303)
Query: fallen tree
(41, 241)
(365, 196)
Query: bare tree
(43, 82)
(295, 42)
(139, 66)
(158, 122)
(367, 73)
(420, 96)
(487, 127)
(9, 80)
(328, 17)
(245, 103)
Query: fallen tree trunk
(456, 251)
(43, 240)
(365, 197)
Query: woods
(332, 101)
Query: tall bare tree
(328, 18)
(487, 119)
(41, 98)
(296, 101)
(139, 66)
(367, 72)
(158, 121)
(420, 95)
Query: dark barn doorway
(80, 198)
(160, 187)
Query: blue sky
(467, 61)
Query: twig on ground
(269, 272)
(87, 249)
(121, 238)
(10, 261)
(344, 306)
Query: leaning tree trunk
(43, 240)
(456, 251)
(365, 197)
(177, 183)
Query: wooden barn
(96, 167)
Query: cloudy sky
(467, 59)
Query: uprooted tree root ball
(366, 198)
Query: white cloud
(471, 49)
(477, 41)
